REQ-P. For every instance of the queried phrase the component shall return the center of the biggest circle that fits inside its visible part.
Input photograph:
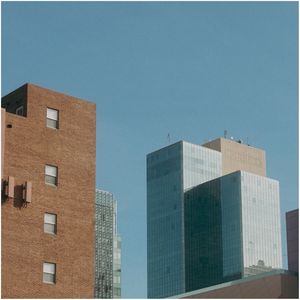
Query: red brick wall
(292, 236)
(29, 146)
(268, 287)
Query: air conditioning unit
(11, 187)
(27, 190)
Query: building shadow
(18, 197)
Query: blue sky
(188, 69)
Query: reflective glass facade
(171, 171)
(203, 232)
(108, 248)
(261, 223)
(230, 196)
(200, 164)
(232, 229)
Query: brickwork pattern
(276, 286)
(29, 146)
(292, 236)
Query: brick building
(292, 236)
(48, 195)
(270, 285)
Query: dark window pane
(48, 278)
(50, 179)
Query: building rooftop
(233, 283)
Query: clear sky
(188, 69)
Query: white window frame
(51, 171)
(52, 118)
(49, 268)
(18, 109)
(50, 222)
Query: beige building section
(29, 146)
(238, 156)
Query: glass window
(117, 279)
(50, 223)
(52, 118)
(51, 175)
(49, 272)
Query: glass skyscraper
(204, 228)
(108, 248)
(117, 267)
(232, 229)
(170, 171)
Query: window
(52, 118)
(50, 223)
(51, 175)
(49, 272)
(117, 292)
(20, 110)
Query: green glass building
(232, 229)
(170, 171)
(204, 228)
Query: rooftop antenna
(225, 133)
(248, 143)
(169, 138)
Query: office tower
(48, 195)
(108, 248)
(292, 236)
(117, 266)
(232, 229)
(180, 171)
(170, 171)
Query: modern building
(292, 234)
(188, 203)
(232, 229)
(268, 285)
(170, 171)
(108, 248)
(117, 266)
(48, 195)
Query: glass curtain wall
(104, 229)
(232, 229)
(164, 222)
(170, 171)
(261, 224)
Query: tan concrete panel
(237, 156)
